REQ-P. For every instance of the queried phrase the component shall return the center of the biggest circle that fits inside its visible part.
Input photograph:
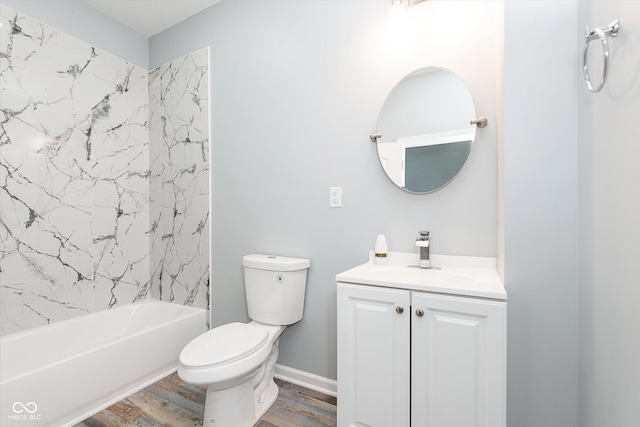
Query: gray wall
(609, 270)
(296, 88)
(304, 82)
(541, 211)
(89, 25)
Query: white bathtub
(62, 373)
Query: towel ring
(599, 33)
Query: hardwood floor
(172, 403)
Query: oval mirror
(424, 134)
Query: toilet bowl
(235, 362)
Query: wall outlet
(335, 197)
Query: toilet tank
(275, 288)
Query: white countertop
(458, 275)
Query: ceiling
(150, 17)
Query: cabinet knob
(399, 309)
(419, 312)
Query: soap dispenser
(380, 250)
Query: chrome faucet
(423, 241)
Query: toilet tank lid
(275, 262)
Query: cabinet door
(373, 356)
(458, 361)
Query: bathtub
(62, 373)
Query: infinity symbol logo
(20, 407)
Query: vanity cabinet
(419, 359)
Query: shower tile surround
(179, 187)
(103, 178)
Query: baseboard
(307, 380)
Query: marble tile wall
(76, 230)
(179, 152)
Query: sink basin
(422, 276)
(458, 275)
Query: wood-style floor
(172, 403)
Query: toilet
(235, 362)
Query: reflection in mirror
(425, 134)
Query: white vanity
(421, 347)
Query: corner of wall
(499, 43)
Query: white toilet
(235, 362)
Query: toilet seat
(223, 345)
